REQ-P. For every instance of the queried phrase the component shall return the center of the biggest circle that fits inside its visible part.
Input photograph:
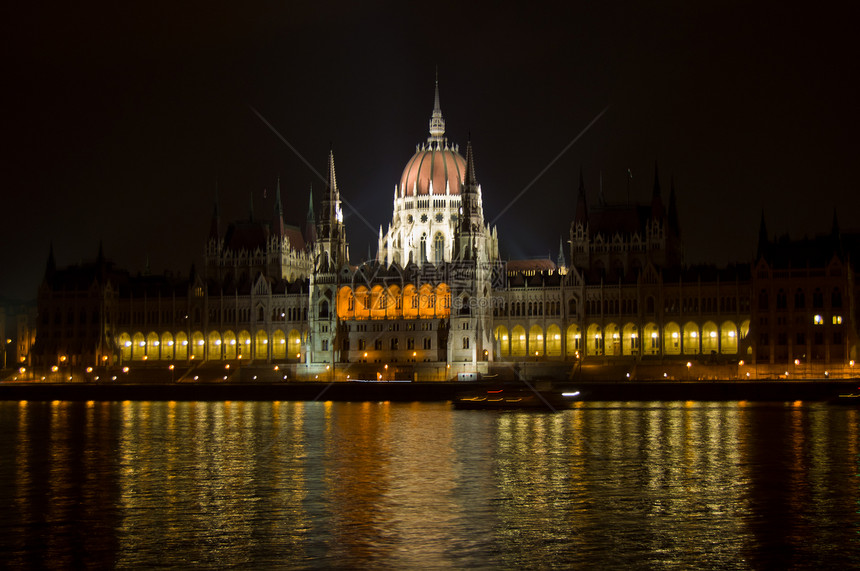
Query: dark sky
(118, 120)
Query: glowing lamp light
(557, 337)
(170, 368)
(693, 334)
(170, 343)
(522, 337)
(200, 343)
(227, 366)
(299, 356)
(689, 364)
(276, 367)
(654, 335)
(125, 369)
(327, 367)
(23, 370)
(731, 334)
(504, 337)
(797, 362)
(217, 341)
(674, 335)
(265, 341)
(247, 341)
(283, 341)
(89, 369)
(741, 362)
(63, 359)
(54, 369)
(540, 337)
(713, 334)
(184, 343)
(127, 343)
(142, 343)
(156, 343)
(104, 358)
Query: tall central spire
(437, 123)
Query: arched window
(836, 298)
(324, 309)
(438, 248)
(422, 253)
(799, 299)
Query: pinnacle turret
(437, 122)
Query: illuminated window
(818, 320)
(837, 320)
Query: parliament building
(439, 300)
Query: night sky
(118, 122)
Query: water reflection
(407, 485)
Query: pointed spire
(562, 262)
(51, 265)
(763, 240)
(469, 177)
(674, 226)
(437, 122)
(657, 210)
(581, 204)
(310, 221)
(836, 236)
(278, 218)
(332, 179)
(214, 227)
(279, 209)
(310, 217)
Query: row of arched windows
(392, 302)
(618, 340)
(213, 346)
(799, 299)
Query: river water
(371, 485)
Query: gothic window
(377, 344)
(817, 299)
(410, 343)
(422, 253)
(465, 342)
(361, 344)
(324, 309)
(427, 343)
(438, 248)
(781, 302)
(799, 299)
(762, 300)
(836, 298)
(395, 343)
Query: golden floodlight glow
(54, 369)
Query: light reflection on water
(729, 485)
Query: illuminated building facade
(438, 300)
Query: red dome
(439, 164)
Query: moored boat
(512, 399)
